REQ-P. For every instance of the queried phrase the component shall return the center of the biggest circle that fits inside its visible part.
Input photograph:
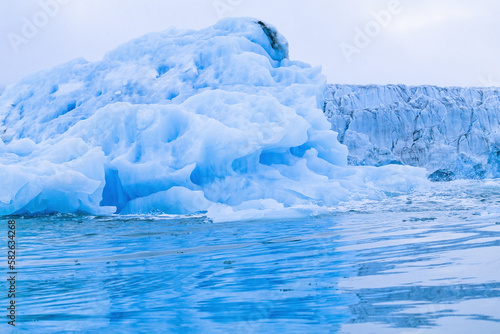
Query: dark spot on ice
(273, 38)
(441, 175)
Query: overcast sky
(441, 42)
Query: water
(424, 263)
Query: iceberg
(218, 121)
(452, 132)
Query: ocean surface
(428, 262)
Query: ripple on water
(425, 262)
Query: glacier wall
(217, 121)
(452, 132)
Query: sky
(439, 42)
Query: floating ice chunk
(182, 122)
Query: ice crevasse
(218, 121)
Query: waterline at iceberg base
(190, 182)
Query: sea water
(428, 262)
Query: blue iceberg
(218, 121)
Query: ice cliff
(217, 121)
(452, 132)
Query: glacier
(453, 132)
(218, 121)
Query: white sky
(441, 42)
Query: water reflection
(179, 275)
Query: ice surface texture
(453, 132)
(217, 121)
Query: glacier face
(179, 122)
(452, 132)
